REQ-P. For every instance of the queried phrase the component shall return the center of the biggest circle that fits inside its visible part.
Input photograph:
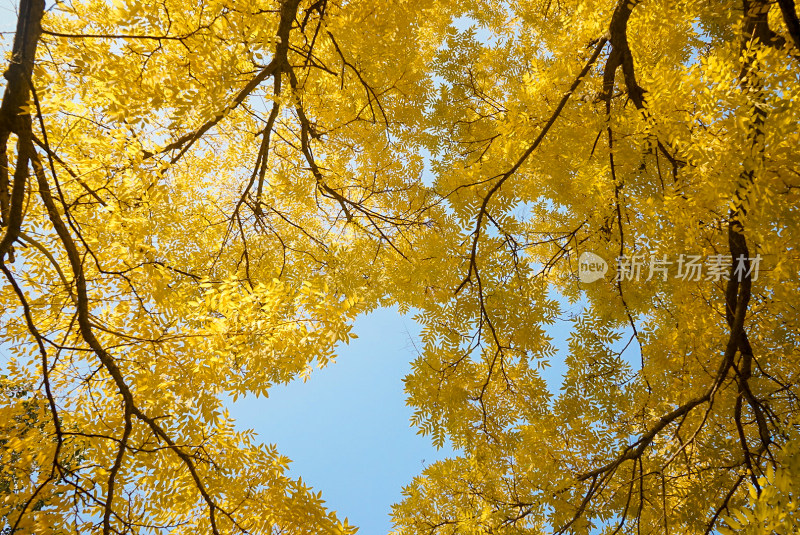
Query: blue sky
(346, 428)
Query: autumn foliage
(198, 198)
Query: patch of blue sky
(346, 428)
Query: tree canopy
(198, 198)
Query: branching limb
(501, 179)
(278, 64)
